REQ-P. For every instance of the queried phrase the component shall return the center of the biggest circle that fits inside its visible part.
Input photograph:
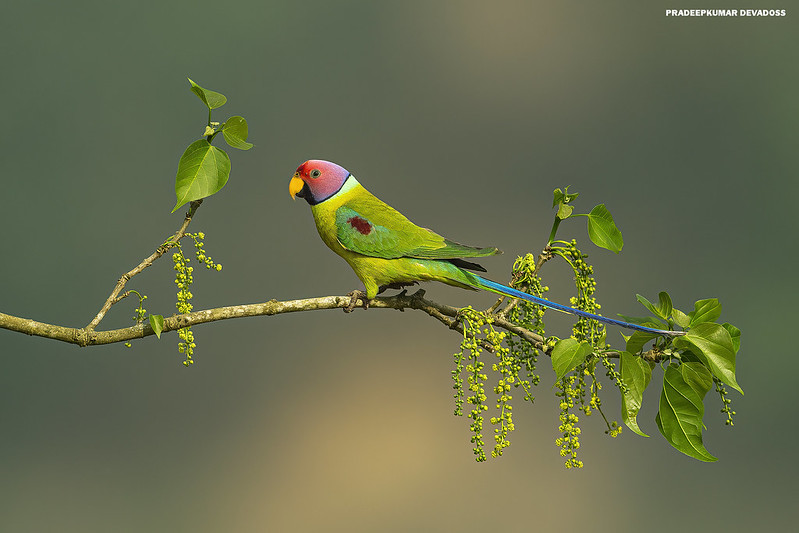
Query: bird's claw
(354, 297)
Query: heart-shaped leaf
(568, 354)
(212, 99)
(202, 171)
(603, 230)
(235, 133)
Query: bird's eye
(315, 173)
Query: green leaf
(664, 305)
(680, 318)
(679, 417)
(157, 323)
(568, 354)
(202, 171)
(637, 340)
(563, 197)
(735, 333)
(697, 376)
(603, 230)
(235, 133)
(646, 303)
(569, 197)
(565, 211)
(558, 197)
(705, 311)
(212, 99)
(643, 320)
(636, 374)
(713, 344)
(663, 309)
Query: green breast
(324, 215)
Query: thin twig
(170, 242)
(121, 297)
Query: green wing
(375, 229)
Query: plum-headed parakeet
(386, 250)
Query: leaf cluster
(601, 228)
(690, 363)
(705, 354)
(203, 168)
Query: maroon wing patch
(361, 224)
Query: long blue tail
(504, 290)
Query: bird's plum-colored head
(317, 180)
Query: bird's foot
(354, 297)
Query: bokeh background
(463, 115)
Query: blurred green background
(464, 116)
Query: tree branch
(446, 314)
(87, 336)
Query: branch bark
(88, 336)
(446, 314)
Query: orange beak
(295, 185)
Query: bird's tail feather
(504, 290)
